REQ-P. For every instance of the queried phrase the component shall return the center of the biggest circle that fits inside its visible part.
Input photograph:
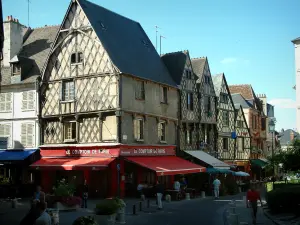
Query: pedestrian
(251, 201)
(85, 194)
(217, 184)
(44, 218)
(176, 185)
(159, 194)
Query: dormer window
(188, 74)
(76, 58)
(16, 69)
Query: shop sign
(87, 152)
(147, 151)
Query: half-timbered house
(208, 103)
(226, 118)
(180, 68)
(107, 95)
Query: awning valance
(208, 159)
(166, 165)
(258, 163)
(72, 163)
(15, 155)
(216, 171)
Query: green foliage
(85, 220)
(63, 189)
(285, 199)
(107, 207)
(231, 186)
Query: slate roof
(127, 44)
(217, 81)
(245, 90)
(198, 65)
(175, 62)
(285, 137)
(33, 54)
(239, 100)
(295, 40)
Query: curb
(270, 218)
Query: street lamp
(272, 130)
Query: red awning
(167, 165)
(72, 163)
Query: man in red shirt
(252, 197)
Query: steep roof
(239, 100)
(175, 62)
(33, 54)
(217, 81)
(285, 137)
(127, 44)
(198, 65)
(245, 90)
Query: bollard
(140, 206)
(187, 196)
(202, 194)
(121, 216)
(143, 198)
(14, 203)
(168, 198)
(134, 210)
(148, 203)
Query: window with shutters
(5, 131)
(70, 131)
(163, 95)
(28, 100)
(139, 129)
(5, 102)
(27, 134)
(190, 101)
(140, 90)
(162, 131)
(68, 91)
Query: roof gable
(127, 44)
(198, 65)
(239, 100)
(244, 89)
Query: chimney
(292, 135)
(13, 39)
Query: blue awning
(15, 155)
(215, 171)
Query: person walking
(217, 184)
(85, 194)
(251, 201)
(44, 218)
(159, 194)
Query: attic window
(102, 25)
(77, 57)
(145, 43)
(16, 69)
(188, 74)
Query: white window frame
(6, 100)
(138, 130)
(29, 139)
(27, 103)
(68, 131)
(162, 127)
(7, 135)
(67, 95)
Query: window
(139, 129)
(27, 134)
(16, 69)
(263, 123)
(68, 91)
(240, 144)
(225, 118)
(190, 101)
(77, 57)
(70, 131)
(164, 95)
(225, 144)
(188, 136)
(5, 131)
(206, 79)
(5, 102)
(140, 90)
(207, 104)
(240, 124)
(162, 131)
(188, 74)
(223, 98)
(28, 99)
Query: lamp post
(272, 130)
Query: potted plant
(106, 211)
(85, 220)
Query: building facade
(226, 118)
(208, 106)
(189, 129)
(110, 98)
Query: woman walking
(251, 200)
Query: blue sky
(250, 41)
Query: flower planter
(106, 219)
(63, 207)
